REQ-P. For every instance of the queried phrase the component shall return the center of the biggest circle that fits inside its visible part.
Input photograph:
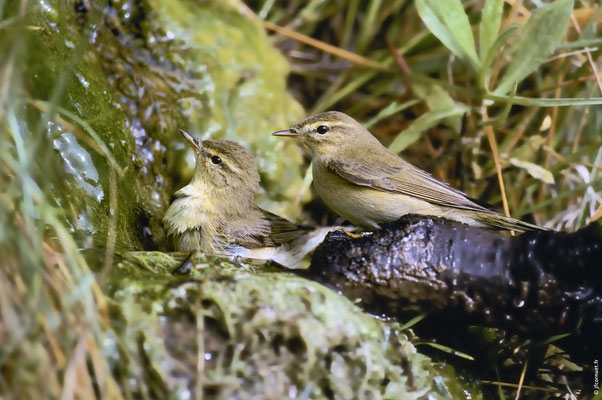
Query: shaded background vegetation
(92, 94)
(427, 100)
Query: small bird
(365, 183)
(215, 212)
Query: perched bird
(363, 182)
(215, 212)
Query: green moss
(265, 333)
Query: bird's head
(328, 132)
(224, 166)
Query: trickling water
(78, 163)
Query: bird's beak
(190, 139)
(287, 132)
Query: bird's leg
(186, 266)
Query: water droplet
(518, 303)
(82, 80)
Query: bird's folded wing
(403, 179)
(282, 230)
(251, 237)
(262, 229)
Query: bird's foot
(186, 267)
(350, 234)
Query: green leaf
(539, 38)
(449, 23)
(536, 171)
(491, 53)
(437, 98)
(491, 19)
(421, 124)
(389, 110)
(553, 339)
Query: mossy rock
(247, 331)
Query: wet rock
(536, 284)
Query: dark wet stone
(536, 284)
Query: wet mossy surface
(250, 331)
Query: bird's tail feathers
(503, 222)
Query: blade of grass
(588, 53)
(427, 120)
(491, 19)
(514, 100)
(412, 322)
(391, 109)
(447, 349)
(98, 144)
(593, 174)
(521, 380)
(267, 6)
(368, 25)
(594, 42)
(328, 48)
(437, 98)
(566, 194)
(536, 171)
(350, 87)
(513, 385)
(553, 339)
(544, 102)
(350, 16)
(496, 160)
(200, 342)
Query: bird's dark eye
(322, 129)
(216, 160)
